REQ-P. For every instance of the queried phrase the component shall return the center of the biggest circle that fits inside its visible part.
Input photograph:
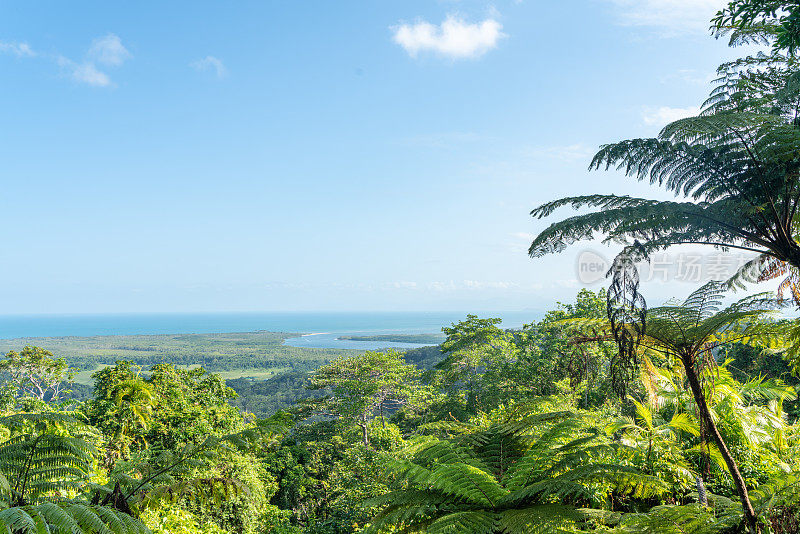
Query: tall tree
(35, 372)
(765, 21)
(364, 386)
(734, 167)
(559, 357)
(689, 333)
(122, 408)
(474, 348)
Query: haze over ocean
(17, 326)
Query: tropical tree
(170, 407)
(734, 168)
(690, 334)
(134, 400)
(122, 408)
(364, 386)
(190, 405)
(558, 356)
(768, 21)
(35, 372)
(475, 351)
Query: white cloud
(672, 17)
(17, 49)
(441, 286)
(453, 38)
(210, 63)
(87, 73)
(664, 115)
(475, 284)
(108, 50)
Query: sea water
(326, 327)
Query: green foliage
(190, 405)
(722, 515)
(169, 408)
(243, 504)
(476, 351)
(44, 454)
(424, 357)
(45, 458)
(365, 386)
(36, 373)
(577, 460)
(552, 354)
(761, 21)
(214, 352)
(515, 470)
(688, 333)
(169, 520)
(265, 397)
(68, 517)
(122, 407)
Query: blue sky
(209, 156)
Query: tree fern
(46, 458)
(689, 332)
(41, 458)
(508, 477)
(68, 517)
(734, 168)
(723, 515)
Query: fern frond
(468, 522)
(542, 519)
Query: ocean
(326, 327)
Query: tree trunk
(702, 496)
(472, 398)
(705, 414)
(792, 253)
(363, 426)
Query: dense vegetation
(509, 431)
(605, 416)
(265, 397)
(214, 352)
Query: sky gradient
(206, 156)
